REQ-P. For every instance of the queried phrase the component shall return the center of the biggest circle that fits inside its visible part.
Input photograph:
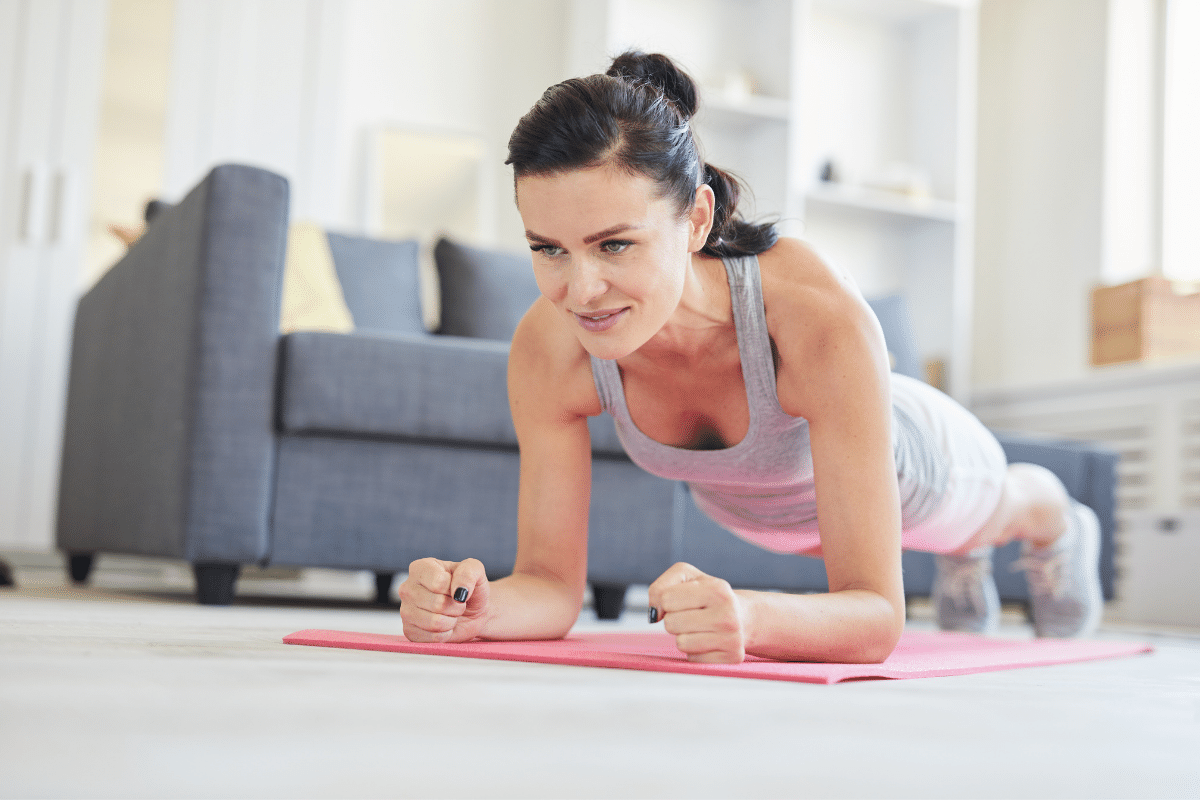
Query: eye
(614, 246)
(546, 249)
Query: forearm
(529, 606)
(850, 626)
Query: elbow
(562, 618)
(879, 646)
(879, 639)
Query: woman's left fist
(705, 615)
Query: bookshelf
(879, 94)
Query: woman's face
(609, 253)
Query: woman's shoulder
(548, 362)
(827, 338)
(801, 287)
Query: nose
(587, 283)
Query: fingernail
(653, 615)
(460, 594)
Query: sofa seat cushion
(404, 386)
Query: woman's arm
(832, 370)
(714, 623)
(551, 394)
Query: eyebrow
(595, 237)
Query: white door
(51, 60)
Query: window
(1181, 141)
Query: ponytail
(731, 236)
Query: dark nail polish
(460, 594)
(653, 615)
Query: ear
(700, 220)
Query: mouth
(599, 321)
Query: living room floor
(126, 688)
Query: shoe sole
(1091, 532)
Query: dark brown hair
(635, 116)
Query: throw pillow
(381, 282)
(312, 295)
(484, 292)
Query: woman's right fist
(444, 601)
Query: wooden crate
(1147, 320)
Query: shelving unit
(743, 55)
(887, 96)
(877, 87)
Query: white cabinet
(51, 56)
(1157, 564)
(882, 91)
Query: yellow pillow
(312, 294)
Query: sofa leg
(79, 565)
(383, 588)
(215, 583)
(609, 599)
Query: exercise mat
(919, 654)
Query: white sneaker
(965, 598)
(1064, 578)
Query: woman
(743, 364)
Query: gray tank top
(762, 487)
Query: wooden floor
(126, 688)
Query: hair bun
(659, 71)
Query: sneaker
(1064, 578)
(965, 598)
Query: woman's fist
(706, 617)
(444, 601)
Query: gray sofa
(196, 431)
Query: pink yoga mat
(919, 654)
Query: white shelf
(753, 108)
(895, 11)
(882, 202)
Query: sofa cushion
(404, 386)
(380, 281)
(484, 292)
(312, 292)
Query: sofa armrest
(169, 444)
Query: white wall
(255, 82)
(1040, 209)
(297, 87)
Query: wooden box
(1147, 320)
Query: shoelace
(1044, 573)
(964, 581)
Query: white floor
(128, 689)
